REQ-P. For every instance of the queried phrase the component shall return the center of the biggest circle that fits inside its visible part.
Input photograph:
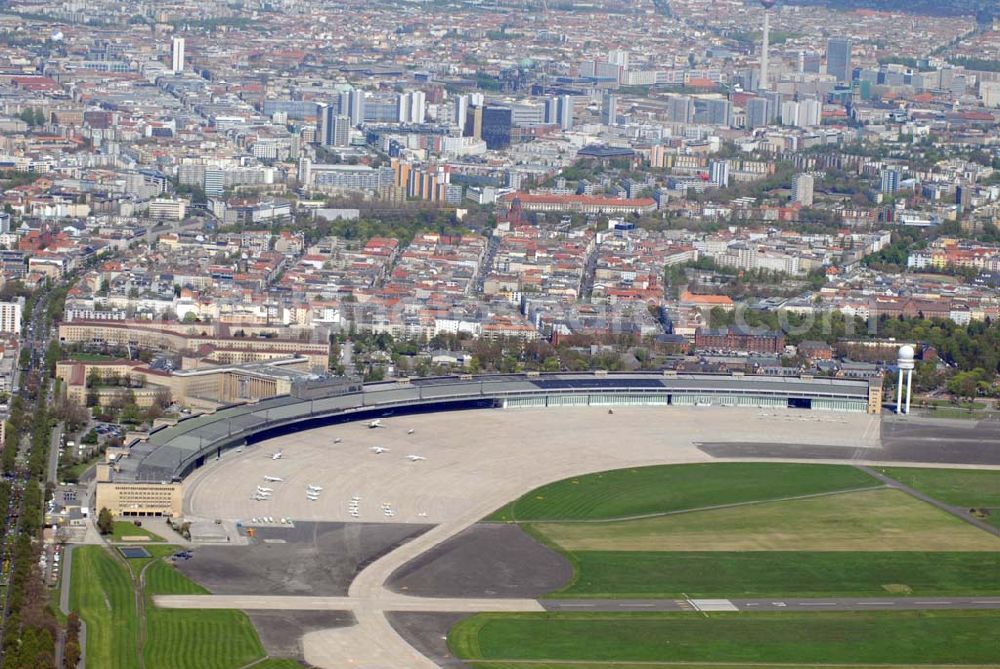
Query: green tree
(105, 521)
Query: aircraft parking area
(477, 459)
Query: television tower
(766, 46)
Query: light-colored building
(10, 316)
(802, 189)
(177, 55)
(140, 500)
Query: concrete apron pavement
(353, 604)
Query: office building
(215, 182)
(460, 109)
(177, 55)
(838, 59)
(496, 127)
(609, 109)
(325, 116)
(352, 105)
(757, 113)
(526, 115)
(804, 114)
(680, 109)
(473, 122)
(809, 62)
(774, 100)
(565, 111)
(711, 111)
(418, 107)
(341, 134)
(802, 189)
(559, 111)
(412, 107)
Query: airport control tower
(765, 82)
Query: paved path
(446, 605)
(307, 603)
(777, 604)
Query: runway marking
(819, 603)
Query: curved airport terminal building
(172, 452)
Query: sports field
(870, 520)
(897, 638)
(641, 491)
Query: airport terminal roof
(171, 451)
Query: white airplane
(277, 455)
(378, 450)
(314, 488)
(313, 499)
(263, 490)
(410, 431)
(415, 458)
(261, 498)
(375, 423)
(274, 479)
(337, 440)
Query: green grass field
(959, 487)
(101, 591)
(123, 528)
(900, 638)
(754, 574)
(659, 489)
(182, 639)
(880, 519)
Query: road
(35, 339)
(53, 474)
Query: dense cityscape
(215, 204)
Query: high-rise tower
(177, 55)
(765, 46)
